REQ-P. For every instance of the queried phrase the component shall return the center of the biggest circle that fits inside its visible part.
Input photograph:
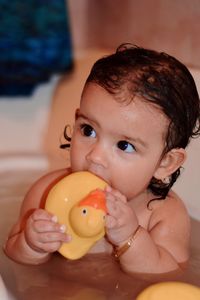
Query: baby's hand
(121, 220)
(43, 233)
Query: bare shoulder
(169, 210)
(169, 226)
(37, 194)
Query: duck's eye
(125, 146)
(87, 130)
(84, 211)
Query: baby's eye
(125, 146)
(87, 130)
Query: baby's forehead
(147, 107)
(124, 98)
(123, 110)
(144, 111)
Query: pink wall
(168, 25)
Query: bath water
(95, 276)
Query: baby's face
(121, 143)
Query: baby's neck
(140, 202)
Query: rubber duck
(88, 216)
(78, 201)
(170, 290)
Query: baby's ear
(171, 161)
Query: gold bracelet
(118, 251)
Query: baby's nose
(97, 155)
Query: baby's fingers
(49, 242)
(43, 233)
(49, 237)
(45, 236)
(41, 221)
(115, 207)
(115, 194)
(49, 247)
(41, 214)
(40, 226)
(110, 222)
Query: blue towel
(35, 43)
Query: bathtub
(29, 157)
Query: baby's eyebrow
(136, 140)
(80, 115)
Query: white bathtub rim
(21, 162)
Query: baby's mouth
(99, 174)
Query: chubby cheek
(129, 184)
(76, 157)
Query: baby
(138, 110)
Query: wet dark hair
(159, 79)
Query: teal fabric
(35, 42)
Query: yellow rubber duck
(87, 217)
(170, 291)
(78, 201)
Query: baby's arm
(37, 233)
(159, 249)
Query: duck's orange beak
(95, 199)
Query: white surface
(188, 184)
(23, 120)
